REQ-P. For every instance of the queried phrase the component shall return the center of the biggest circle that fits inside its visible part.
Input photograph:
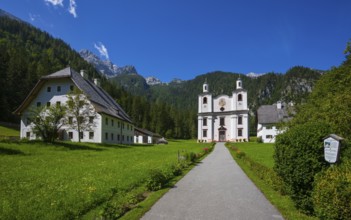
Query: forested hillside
(28, 53)
(330, 102)
(293, 86)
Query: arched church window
(204, 101)
(240, 97)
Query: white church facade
(223, 118)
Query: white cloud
(72, 7)
(102, 50)
(33, 17)
(55, 2)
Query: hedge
(298, 158)
(332, 193)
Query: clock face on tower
(222, 102)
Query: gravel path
(216, 188)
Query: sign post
(332, 148)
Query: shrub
(191, 157)
(156, 180)
(298, 158)
(240, 154)
(234, 148)
(332, 193)
(176, 169)
(259, 139)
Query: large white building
(111, 122)
(269, 116)
(223, 118)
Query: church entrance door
(221, 136)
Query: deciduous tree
(47, 121)
(81, 114)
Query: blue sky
(184, 38)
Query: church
(223, 118)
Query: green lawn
(4, 131)
(261, 153)
(65, 180)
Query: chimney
(97, 82)
(83, 74)
(279, 105)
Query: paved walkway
(217, 188)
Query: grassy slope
(64, 180)
(263, 154)
(4, 131)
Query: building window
(122, 125)
(112, 122)
(48, 89)
(81, 135)
(240, 120)
(127, 138)
(38, 104)
(48, 104)
(221, 122)
(91, 119)
(106, 136)
(204, 100)
(122, 137)
(59, 88)
(240, 132)
(80, 119)
(70, 135)
(204, 133)
(118, 125)
(269, 136)
(71, 87)
(58, 104)
(28, 135)
(106, 121)
(204, 122)
(112, 136)
(118, 137)
(91, 135)
(240, 97)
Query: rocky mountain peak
(254, 75)
(151, 80)
(106, 67)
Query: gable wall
(126, 130)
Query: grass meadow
(70, 180)
(256, 159)
(5, 131)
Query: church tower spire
(239, 83)
(205, 87)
